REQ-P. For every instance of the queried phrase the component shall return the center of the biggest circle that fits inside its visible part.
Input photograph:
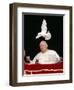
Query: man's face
(43, 46)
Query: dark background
(32, 26)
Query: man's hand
(37, 62)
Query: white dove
(44, 33)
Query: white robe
(48, 57)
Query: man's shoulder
(38, 54)
(52, 51)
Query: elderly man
(46, 56)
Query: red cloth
(43, 68)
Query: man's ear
(47, 45)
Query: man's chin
(43, 51)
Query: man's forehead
(43, 42)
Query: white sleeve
(57, 56)
(34, 59)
